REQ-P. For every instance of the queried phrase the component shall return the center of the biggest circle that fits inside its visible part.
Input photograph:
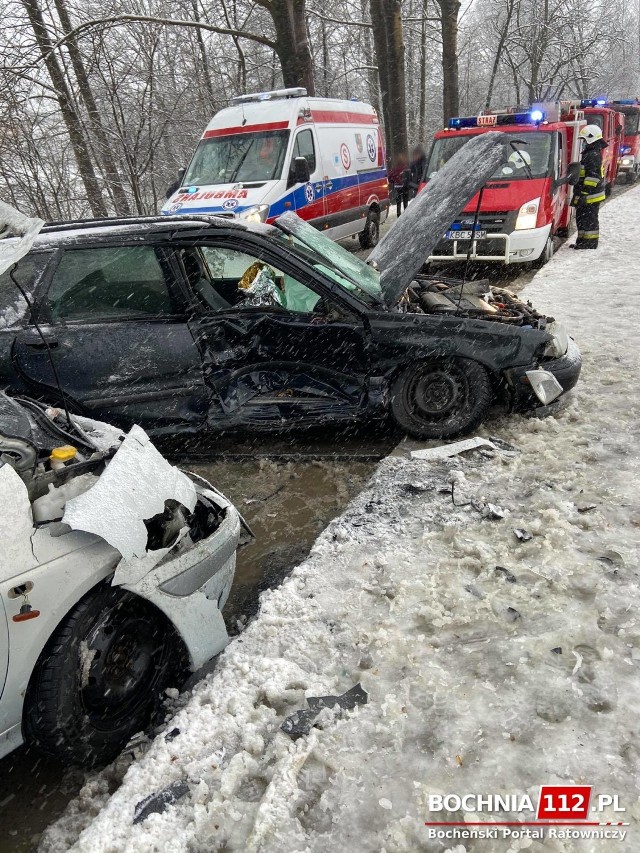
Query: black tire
(370, 234)
(101, 677)
(631, 176)
(441, 398)
(547, 254)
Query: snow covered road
(481, 679)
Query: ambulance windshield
(238, 157)
(535, 151)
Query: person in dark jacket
(418, 164)
(399, 182)
(589, 192)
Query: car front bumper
(565, 369)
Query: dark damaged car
(190, 323)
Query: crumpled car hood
(15, 224)
(404, 249)
(133, 487)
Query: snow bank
(479, 680)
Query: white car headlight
(528, 214)
(627, 161)
(257, 213)
(559, 343)
(545, 385)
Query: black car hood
(404, 249)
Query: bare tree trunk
(389, 46)
(449, 10)
(422, 117)
(115, 186)
(498, 57)
(65, 102)
(292, 42)
(204, 59)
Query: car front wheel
(441, 398)
(101, 677)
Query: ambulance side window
(303, 147)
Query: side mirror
(301, 173)
(176, 184)
(573, 174)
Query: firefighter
(589, 192)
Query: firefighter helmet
(520, 159)
(591, 133)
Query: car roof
(80, 231)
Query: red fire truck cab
(629, 160)
(611, 123)
(527, 202)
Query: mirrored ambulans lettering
(200, 196)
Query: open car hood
(404, 249)
(15, 224)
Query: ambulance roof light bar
(593, 102)
(628, 102)
(297, 92)
(534, 116)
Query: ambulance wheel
(441, 398)
(370, 234)
(101, 677)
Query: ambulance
(273, 152)
(527, 202)
(611, 122)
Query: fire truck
(527, 202)
(629, 160)
(611, 123)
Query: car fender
(402, 339)
(57, 586)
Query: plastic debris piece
(513, 614)
(474, 591)
(557, 650)
(522, 534)
(355, 696)
(300, 722)
(507, 574)
(586, 507)
(157, 803)
(172, 735)
(493, 511)
(443, 451)
(613, 557)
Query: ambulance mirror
(181, 174)
(301, 173)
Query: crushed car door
(115, 323)
(277, 352)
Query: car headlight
(627, 161)
(257, 213)
(545, 385)
(559, 343)
(528, 215)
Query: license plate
(465, 235)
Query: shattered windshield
(535, 147)
(341, 266)
(244, 157)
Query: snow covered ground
(479, 680)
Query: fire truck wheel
(370, 234)
(547, 254)
(441, 398)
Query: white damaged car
(115, 567)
